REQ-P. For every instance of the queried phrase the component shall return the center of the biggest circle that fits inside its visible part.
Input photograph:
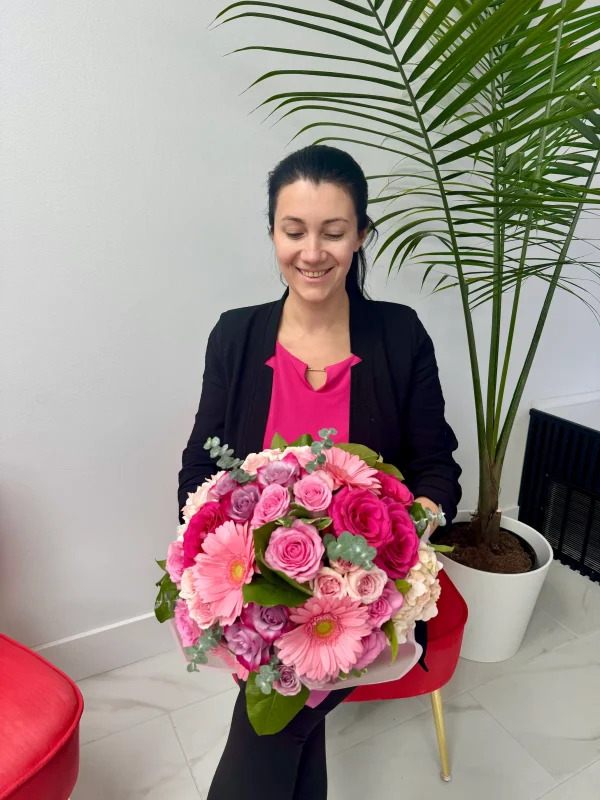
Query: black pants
(290, 765)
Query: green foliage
(488, 111)
(350, 547)
(390, 631)
(402, 586)
(389, 469)
(198, 653)
(270, 713)
(318, 448)
(369, 456)
(268, 593)
(261, 542)
(224, 455)
(278, 443)
(303, 441)
(166, 599)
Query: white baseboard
(113, 646)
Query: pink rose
(393, 488)
(373, 645)
(274, 503)
(249, 647)
(206, 520)
(402, 553)
(362, 513)
(186, 627)
(344, 566)
(329, 583)
(285, 472)
(175, 562)
(388, 604)
(288, 683)
(296, 551)
(312, 493)
(270, 622)
(366, 585)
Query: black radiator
(560, 489)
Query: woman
(322, 356)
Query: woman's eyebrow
(325, 222)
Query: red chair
(445, 633)
(40, 709)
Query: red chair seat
(40, 709)
(445, 633)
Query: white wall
(133, 212)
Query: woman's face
(315, 236)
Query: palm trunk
(486, 521)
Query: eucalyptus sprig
(198, 653)
(267, 674)
(317, 448)
(224, 454)
(350, 547)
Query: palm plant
(495, 104)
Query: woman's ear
(362, 235)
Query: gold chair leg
(440, 729)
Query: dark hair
(320, 163)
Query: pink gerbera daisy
(346, 469)
(220, 572)
(328, 639)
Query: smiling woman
(323, 356)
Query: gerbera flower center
(237, 570)
(326, 628)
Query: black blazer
(396, 402)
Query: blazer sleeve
(197, 465)
(431, 470)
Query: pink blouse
(297, 408)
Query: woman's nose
(313, 253)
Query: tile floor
(521, 730)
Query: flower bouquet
(304, 567)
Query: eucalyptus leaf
(270, 713)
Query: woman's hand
(427, 503)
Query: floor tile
(125, 697)
(202, 730)
(571, 599)
(351, 723)
(543, 635)
(403, 762)
(142, 762)
(583, 786)
(551, 706)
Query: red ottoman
(40, 709)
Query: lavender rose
(288, 683)
(224, 486)
(296, 551)
(250, 648)
(274, 503)
(402, 552)
(362, 513)
(313, 493)
(284, 472)
(389, 603)
(270, 623)
(241, 503)
(366, 586)
(373, 644)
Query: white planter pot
(500, 606)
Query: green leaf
(264, 593)
(270, 713)
(162, 564)
(300, 587)
(321, 523)
(441, 548)
(261, 542)
(390, 631)
(417, 512)
(278, 443)
(166, 599)
(389, 469)
(402, 586)
(303, 441)
(368, 456)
